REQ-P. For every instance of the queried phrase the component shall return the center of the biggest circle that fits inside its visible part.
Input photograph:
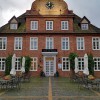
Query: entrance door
(49, 67)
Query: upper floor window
(81, 63)
(80, 43)
(97, 63)
(65, 43)
(33, 43)
(49, 25)
(18, 64)
(18, 43)
(84, 26)
(65, 64)
(34, 25)
(3, 43)
(64, 25)
(2, 63)
(49, 43)
(96, 43)
(34, 64)
(13, 26)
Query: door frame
(44, 63)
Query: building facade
(48, 33)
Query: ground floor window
(81, 63)
(65, 64)
(34, 64)
(18, 64)
(2, 63)
(97, 63)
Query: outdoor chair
(26, 76)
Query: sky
(88, 8)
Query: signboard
(59, 66)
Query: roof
(22, 27)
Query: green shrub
(27, 63)
(72, 58)
(8, 65)
(91, 64)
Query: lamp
(58, 59)
(40, 59)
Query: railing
(49, 50)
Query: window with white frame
(34, 64)
(18, 64)
(33, 43)
(81, 63)
(18, 43)
(64, 25)
(97, 63)
(65, 64)
(2, 63)
(34, 25)
(13, 26)
(80, 43)
(49, 25)
(65, 43)
(84, 26)
(49, 43)
(96, 43)
(3, 43)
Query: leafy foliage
(91, 64)
(72, 58)
(27, 63)
(8, 65)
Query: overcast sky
(88, 8)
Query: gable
(84, 21)
(13, 21)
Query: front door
(49, 66)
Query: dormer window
(84, 26)
(13, 26)
(85, 23)
(13, 23)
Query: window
(17, 64)
(18, 43)
(65, 43)
(3, 43)
(96, 43)
(34, 25)
(34, 64)
(49, 43)
(97, 63)
(80, 43)
(33, 43)
(64, 25)
(49, 25)
(81, 63)
(2, 64)
(65, 64)
(84, 26)
(13, 26)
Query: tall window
(96, 43)
(64, 25)
(80, 43)
(81, 63)
(13, 26)
(17, 64)
(97, 63)
(65, 43)
(49, 43)
(2, 63)
(65, 64)
(18, 43)
(34, 25)
(84, 26)
(49, 25)
(33, 43)
(3, 43)
(34, 64)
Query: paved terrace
(49, 88)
